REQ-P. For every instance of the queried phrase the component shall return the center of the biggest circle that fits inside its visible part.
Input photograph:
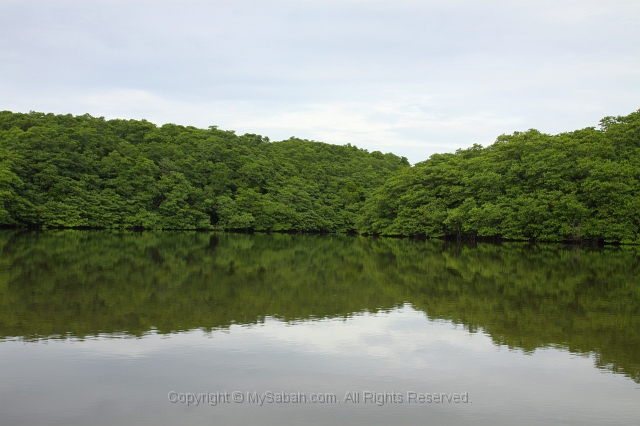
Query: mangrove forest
(65, 171)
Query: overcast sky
(410, 77)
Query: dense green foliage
(66, 171)
(83, 283)
(583, 185)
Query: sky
(403, 76)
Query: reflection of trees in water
(82, 283)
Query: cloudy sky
(410, 77)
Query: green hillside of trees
(66, 171)
(582, 185)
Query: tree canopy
(81, 171)
(582, 185)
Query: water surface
(99, 327)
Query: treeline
(66, 171)
(582, 185)
(70, 283)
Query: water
(109, 328)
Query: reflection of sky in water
(126, 380)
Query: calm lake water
(113, 328)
